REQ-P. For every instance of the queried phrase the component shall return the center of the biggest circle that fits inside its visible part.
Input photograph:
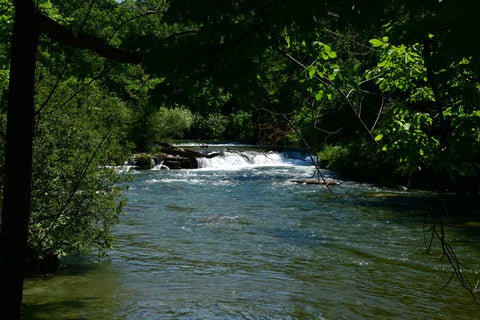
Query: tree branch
(323, 79)
(59, 33)
(143, 14)
(236, 41)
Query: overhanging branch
(59, 33)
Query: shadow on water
(85, 282)
(46, 310)
(461, 209)
(463, 213)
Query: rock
(170, 157)
(177, 162)
(178, 158)
(144, 162)
(176, 151)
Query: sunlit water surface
(244, 242)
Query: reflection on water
(249, 244)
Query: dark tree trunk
(18, 160)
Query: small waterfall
(241, 159)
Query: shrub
(208, 127)
(170, 123)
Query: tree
(18, 160)
(427, 74)
(29, 24)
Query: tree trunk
(18, 160)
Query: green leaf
(319, 95)
(376, 43)
(378, 137)
(312, 72)
(287, 40)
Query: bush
(208, 127)
(239, 127)
(331, 156)
(358, 161)
(76, 196)
(171, 123)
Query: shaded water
(244, 242)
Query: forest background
(383, 91)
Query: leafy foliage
(170, 123)
(77, 195)
(209, 127)
(423, 133)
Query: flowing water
(236, 239)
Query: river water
(237, 239)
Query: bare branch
(178, 34)
(323, 79)
(143, 14)
(327, 131)
(321, 177)
(67, 62)
(234, 42)
(369, 48)
(80, 89)
(437, 231)
(378, 114)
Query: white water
(241, 159)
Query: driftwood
(326, 181)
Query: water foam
(234, 159)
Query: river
(236, 239)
